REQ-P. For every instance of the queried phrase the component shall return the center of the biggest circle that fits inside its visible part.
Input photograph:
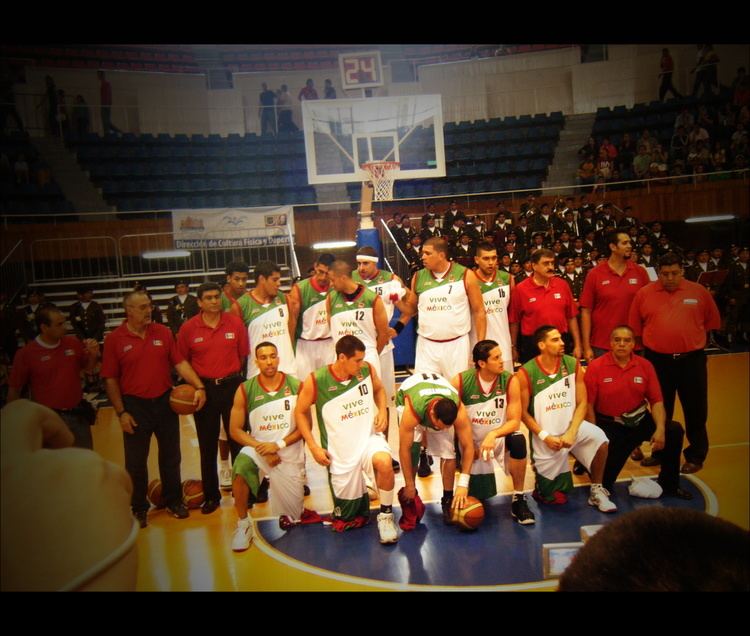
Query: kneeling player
(493, 403)
(553, 395)
(350, 404)
(273, 444)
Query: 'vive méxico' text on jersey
(444, 312)
(552, 398)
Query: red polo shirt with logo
(614, 390)
(52, 373)
(609, 295)
(142, 365)
(214, 352)
(534, 305)
(674, 322)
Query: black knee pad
(516, 444)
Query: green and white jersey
(552, 398)
(354, 317)
(444, 312)
(496, 297)
(270, 323)
(272, 414)
(242, 301)
(390, 290)
(486, 410)
(346, 415)
(313, 324)
(418, 390)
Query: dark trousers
(623, 440)
(79, 427)
(667, 87)
(686, 376)
(527, 348)
(207, 422)
(107, 124)
(153, 416)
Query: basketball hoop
(382, 175)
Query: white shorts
(287, 484)
(439, 443)
(485, 467)
(352, 484)
(444, 358)
(549, 464)
(313, 354)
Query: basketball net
(382, 175)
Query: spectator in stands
(429, 230)
(628, 219)
(87, 316)
(647, 139)
(666, 66)
(81, 116)
(329, 90)
(430, 214)
(587, 171)
(307, 91)
(659, 161)
(573, 278)
(684, 119)
(451, 215)
(181, 307)
(414, 253)
(609, 148)
(647, 258)
(717, 258)
(642, 162)
(589, 148)
(699, 159)
(741, 89)
(625, 156)
(736, 289)
(718, 158)
(678, 146)
(21, 170)
(604, 165)
(523, 232)
(105, 102)
(739, 141)
(284, 105)
(698, 133)
(267, 110)
(706, 70)
(529, 207)
(704, 264)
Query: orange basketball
(181, 399)
(470, 516)
(154, 493)
(192, 493)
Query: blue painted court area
(500, 552)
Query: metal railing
(13, 272)
(73, 257)
(394, 258)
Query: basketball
(470, 516)
(154, 493)
(192, 493)
(181, 399)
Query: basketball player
(449, 300)
(496, 286)
(307, 305)
(267, 317)
(553, 396)
(234, 298)
(429, 405)
(493, 402)
(273, 444)
(355, 310)
(350, 404)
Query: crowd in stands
(576, 231)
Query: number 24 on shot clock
(360, 70)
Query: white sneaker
(599, 497)
(387, 528)
(225, 478)
(243, 537)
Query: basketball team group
(272, 373)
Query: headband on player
(362, 258)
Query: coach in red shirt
(216, 345)
(138, 357)
(672, 316)
(617, 383)
(542, 299)
(608, 292)
(51, 366)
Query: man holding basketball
(493, 402)
(216, 345)
(136, 364)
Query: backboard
(342, 134)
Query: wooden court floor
(195, 554)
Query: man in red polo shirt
(542, 299)
(137, 359)
(607, 295)
(51, 365)
(216, 345)
(672, 317)
(619, 384)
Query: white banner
(232, 227)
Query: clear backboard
(342, 134)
